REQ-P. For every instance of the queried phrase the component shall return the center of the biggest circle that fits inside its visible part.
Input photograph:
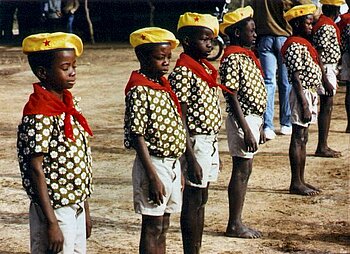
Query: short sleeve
(136, 111)
(180, 81)
(36, 132)
(294, 56)
(230, 71)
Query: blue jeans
(269, 49)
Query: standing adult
(69, 9)
(54, 15)
(273, 30)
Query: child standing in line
(344, 27)
(194, 82)
(53, 148)
(153, 127)
(240, 72)
(305, 75)
(326, 39)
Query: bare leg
(162, 237)
(347, 105)
(237, 189)
(151, 231)
(192, 218)
(324, 121)
(297, 157)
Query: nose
(72, 72)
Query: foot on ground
(312, 187)
(243, 232)
(328, 152)
(303, 190)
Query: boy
(326, 38)
(344, 27)
(53, 148)
(240, 71)
(153, 127)
(305, 75)
(194, 82)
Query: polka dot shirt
(240, 73)
(297, 58)
(325, 39)
(203, 105)
(66, 165)
(153, 114)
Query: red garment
(46, 103)
(344, 21)
(324, 20)
(137, 79)
(198, 69)
(240, 50)
(302, 41)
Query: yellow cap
(50, 41)
(153, 35)
(196, 19)
(333, 2)
(300, 10)
(235, 16)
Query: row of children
(172, 125)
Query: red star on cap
(196, 19)
(46, 43)
(143, 37)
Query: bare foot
(243, 232)
(312, 187)
(328, 152)
(303, 190)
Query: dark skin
(242, 167)
(198, 46)
(60, 76)
(154, 228)
(324, 118)
(299, 138)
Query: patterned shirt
(66, 164)
(325, 39)
(153, 114)
(297, 58)
(240, 73)
(203, 105)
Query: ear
(41, 73)
(237, 33)
(186, 41)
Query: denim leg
(283, 85)
(269, 64)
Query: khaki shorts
(235, 135)
(331, 73)
(296, 109)
(345, 67)
(206, 151)
(71, 220)
(169, 172)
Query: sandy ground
(290, 223)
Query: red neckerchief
(46, 103)
(198, 69)
(240, 50)
(324, 20)
(313, 52)
(137, 79)
(344, 21)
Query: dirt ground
(290, 223)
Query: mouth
(71, 82)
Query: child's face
(158, 61)
(200, 45)
(62, 74)
(306, 27)
(248, 34)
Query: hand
(194, 172)
(55, 238)
(156, 191)
(328, 88)
(88, 225)
(250, 142)
(307, 115)
(262, 139)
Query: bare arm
(156, 187)
(296, 83)
(325, 82)
(194, 170)
(250, 142)
(55, 236)
(87, 219)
